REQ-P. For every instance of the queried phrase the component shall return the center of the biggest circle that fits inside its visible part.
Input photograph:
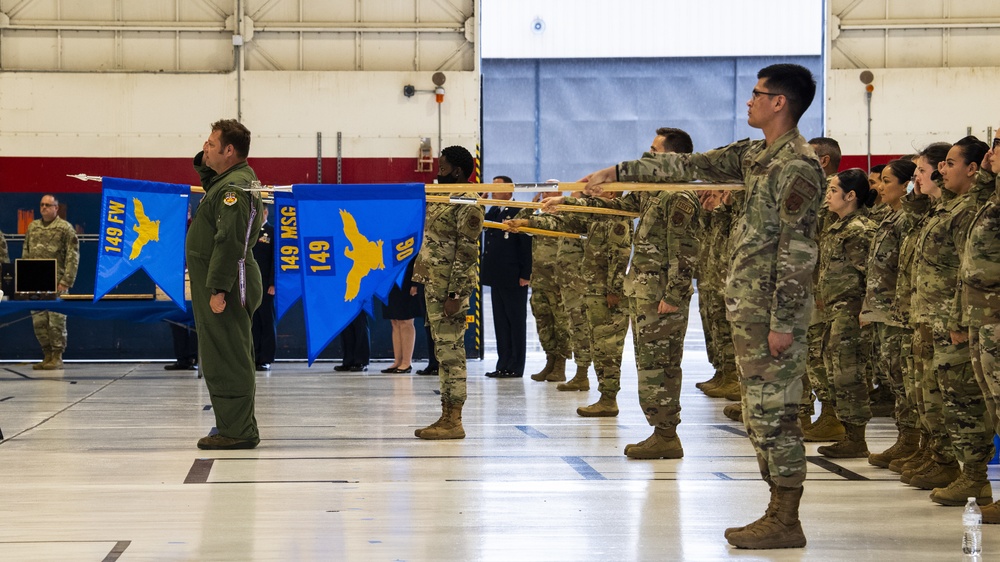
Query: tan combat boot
(550, 361)
(905, 445)
(45, 361)
(826, 428)
(55, 361)
(898, 464)
(450, 427)
(733, 411)
(973, 483)
(558, 372)
(662, 444)
(780, 530)
(605, 407)
(917, 466)
(991, 513)
(937, 475)
(730, 384)
(852, 446)
(714, 381)
(439, 421)
(772, 509)
(576, 383)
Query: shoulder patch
(683, 211)
(619, 229)
(800, 192)
(474, 222)
(230, 198)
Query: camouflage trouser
(845, 368)
(608, 327)
(816, 364)
(50, 329)
(550, 320)
(722, 333)
(890, 361)
(985, 345)
(905, 351)
(449, 346)
(772, 390)
(930, 403)
(575, 305)
(707, 305)
(659, 347)
(870, 353)
(964, 407)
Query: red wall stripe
(48, 174)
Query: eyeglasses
(48, 205)
(758, 93)
(996, 143)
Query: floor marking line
(835, 468)
(531, 432)
(117, 551)
(200, 469)
(584, 468)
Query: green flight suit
(224, 229)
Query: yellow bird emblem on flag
(149, 230)
(365, 255)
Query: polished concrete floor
(99, 463)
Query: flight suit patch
(230, 198)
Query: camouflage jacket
(4, 254)
(774, 246)
(938, 257)
(714, 255)
(54, 240)
(605, 251)
(843, 257)
(666, 243)
(883, 268)
(979, 272)
(878, 213)
(916, 209)
(544, 251)
(447, 260)
(569, 262)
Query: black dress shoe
(357, 368)
(428, 370)
(179, 366)
(493, 374)
(263, 366)
(342, 368)
(508, 375)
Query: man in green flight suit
(226, 286)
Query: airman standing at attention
(226, 287)
(51, 237)
(769, 285)
(659, 288)
(446, 266)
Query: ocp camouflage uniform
(843, 258)
(666, 250)
(979, 291)
(769, 282)
(816, 376)
(4, 256)
(880, 294)
(916, 212)
(446, 265)
(606, 254)
(57, 240)
(939, 246)
(874, 371)
(572, 284)
(711, 284)
(551, 321)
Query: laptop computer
(35, 279)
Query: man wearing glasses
(769, 286)
(51, 237)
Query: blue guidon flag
(355, 242)
(287, 264)
(142, 227)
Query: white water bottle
(972, 520)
